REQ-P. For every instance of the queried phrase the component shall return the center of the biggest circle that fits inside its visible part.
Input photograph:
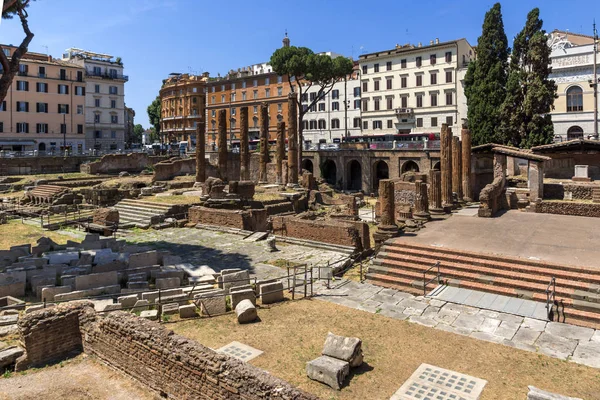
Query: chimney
(437, 40)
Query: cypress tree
(486, 78)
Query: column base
(422, 216)
(385, 232)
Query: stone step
(136, 210)
(145, 204)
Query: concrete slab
(555, 346)
(569, 331)
(588, 354)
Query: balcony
(106, 75)
(404, 112)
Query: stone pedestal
(222, 143)
(200, 153)
(387, 228)
(535, 179)
(435, 193)
(264, 142)
(457, 169)
(466, 165)
(280, 151)
(446, 166)
(244, 149)
(292, 139)
(581, 173)
(421, 202)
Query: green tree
(154, 115)
(486, 79)
(138, 129)
(526, 120)
(304, 69)
(10, 67)
(153, 136)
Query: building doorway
(354, 175)
(307, 165)
(329, 172)
(410, 166)
(380, 171)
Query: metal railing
(438, 277)
(384, 145)
(551, 298)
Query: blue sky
(157, 37)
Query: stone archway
(329, 172)
(380, 171)
(437, 166)
(410, 166)
(307, 165)
(354, 181)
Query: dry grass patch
(27, 179)
(15, 233)
(292, 333)
(179, 199)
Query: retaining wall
(250, 220)
(115, 163)
(567, 208)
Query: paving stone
(461, 308)
(413, 307)
(436, 303)
(452, 329)
(515, 319)
(388, 292)
(488, 337)
(489, 325)
(170, 308)
(446, 316)
(526, 335)
(369, 306)
(588, 354)
(187, 311)
(535, 324)
(596, 336)
(425, 321)
(385, 298)
(569, 331)
(404, 295)
(507, 329)
(489, 314)
(431, 312)
(520, 345)
(468, 321)
(555, 346)
(393, 314)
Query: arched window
(322, 124)
(574, 99)
(335, 123)
(255, 122)
(575, 132)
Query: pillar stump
(264, 142)
(457, 170)
(244, 148)
(466, 165)
(435, 193)
(222, 143)
(446, 167)
(292, 139)
(280, 151)
(200, 154)
(421, 202)
(387, 228)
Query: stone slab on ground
(187, 311)
(344, 348)
(539, 394)
(211, 303)
(170, 308)
(240, 351)
(328, 370)
(149, 314)
(271, 292)
(245, 294)
(9, 355)
(8, 319)
(246, 312)
(432, 382)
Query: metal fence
(388, 145)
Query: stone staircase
(141, 214)
(401, 265)
(45, 193)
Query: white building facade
(334, 116)
(572, 60)
(105, 124)
(414, 89)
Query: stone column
(264, 142)
(280, 151)
(535, 179)
(200, 153)
(244, 150)
(466, 165)
(421, 202)
(435, 193)
(457, 169)
(222, 143)
(446, 166)
(387, 225)
(292, 139)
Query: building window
(322, 124)
(255, 82)
(232, 96)
(267, 93)
(403, 63)
(356, 122)
(23, 69)
(419, 61)
(365, 87)
(390, 103)
(280, 91)
(22, 106)
(335, 123)
(79, 128)
(243, 96)
(113, 134)
(41, 87)
(403, 82)
(433, 99)
(114, 119)
(365, 124)
(448, 76)
(63, 128)
(312, 125)
(432, 59)
(404, 101)
(376, 86)
(97, 89)
(377, 125)
(6, 52)
(279, 107)
(376, 68)
(376, 106)
(321, 106)
(22, 127)
(213, 100)
(232, 123)
(433, 77)
(365, 105)
(3, 106)
(233, 111)
(41, 72)
(97, 102)
(313, 96)
(335, 106)
(304, 97)
(42, 107)
(390, 124)
(574, 132)
(255, 109)
(63, 89)
(364, 69)
(335, 94)
(23, 86)
(419, 100)
(113, 104)
(98, 134)
(96, 118)
(449, 98)
(574, 99)
(448, 56)
(1, 126)
(388, 84)
(433, 122)
(113, 90)
(356, 91)
(267, 81)
(388, 66)
(357, 104)
(255, 94)
(449, 121)
(79, 91)
(63, 108)
(42, 128)
(419, 122)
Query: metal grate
(240, 351)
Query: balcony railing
(404, 111)
(106, 75)
(394, 145)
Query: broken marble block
(328, 370)
(246, 312)
(343, 348)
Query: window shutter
(27, 106)
(67, 108)
(27, 127)
(27, 86)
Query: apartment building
(183, 103)
(129, 116)
(334, 116)
(572, 60)
(414, 89)
(44, 108)
(104, 98)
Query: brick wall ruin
(172, 365)
(115, 163)
(41, 165)
(557, 191)
(250, 220)
(352, 234)
(567, 208)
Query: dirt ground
(82, 378)
(292, 333)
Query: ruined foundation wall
(557, 191)
(250, 220)
(115, 163)
(353, 234)
(567, 208)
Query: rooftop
(399, 49)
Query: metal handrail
(438, 276)
(550, 294)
